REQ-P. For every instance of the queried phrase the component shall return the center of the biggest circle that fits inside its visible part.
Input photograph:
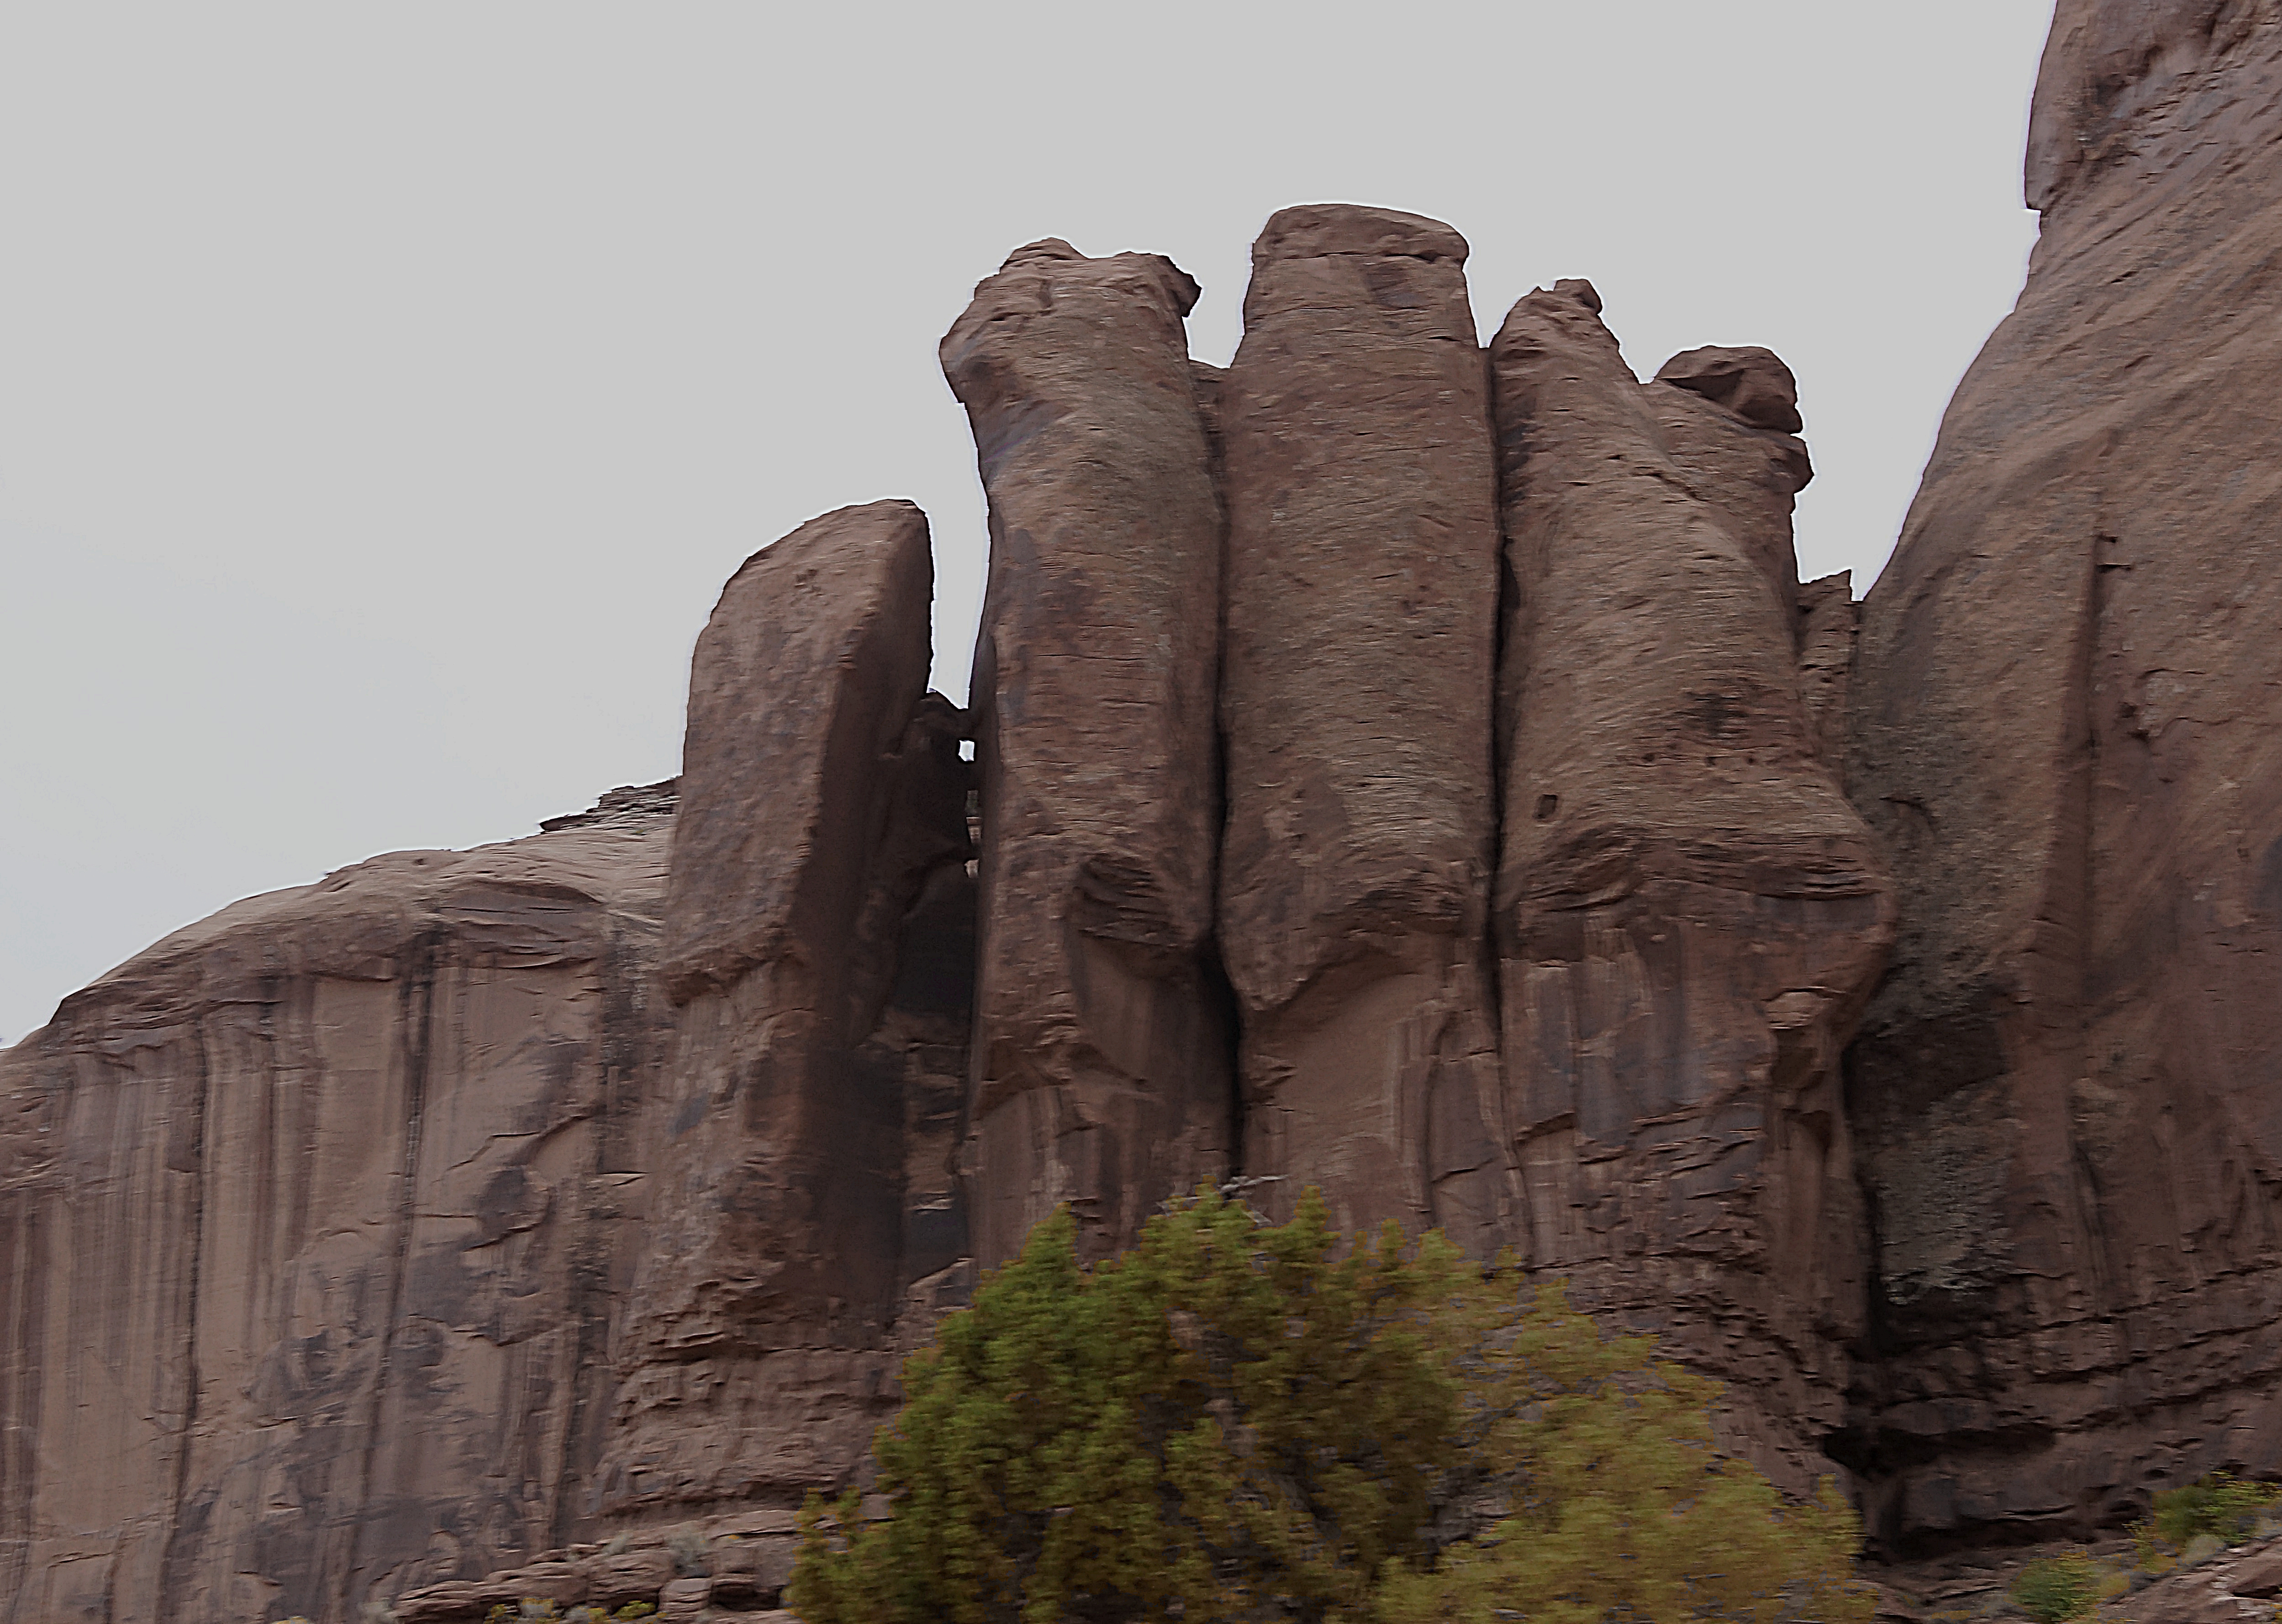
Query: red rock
(1356, 700)
(2064, 730)
(2257, 1575)
(314, 1212)
(819, 796)
(1689, 915)
(1102, 1066)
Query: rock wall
(1689, 915)
(315, 1220)
(1362, 641)
(1102, 1076)
(1401, 769)
(2065, 729)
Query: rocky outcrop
(1362, 586)
(1688, 913)
(1401, 770)
(317, 1216)
(2064, 729)
(820, 802)
(1102, 1065)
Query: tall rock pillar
(1356, 702)
(819, 796)
(1689, 915)
(1102, 1054)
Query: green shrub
(2222, 1505)
(1233, 1422)
(2057, 1588)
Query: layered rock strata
(1102, 1058)
(316, 1218)
(821, 800)
(1689, 915)
(2064, 728)
(1355, 698)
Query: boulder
(1689, 915)
(2067, 1097)
(1356, 700)
(1102, 1062)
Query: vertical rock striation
(1688, 913)
(1102, 1059)
(821, 798)
(1361, 584)
(316, 1215)
(2064, 727)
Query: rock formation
(1400, 770)
(1688, 913)
(315, 1220)
(1362, 641)
(1102, 1070)
(819, 797)
(2065, 729)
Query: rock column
(1689, 914)
(818, 796)
(1101, 1061)
(1361, 594)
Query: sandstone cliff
(1401, 767)
(316, 1218)
(2065, 730)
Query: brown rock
(1689, 915)
(1356, 702)
(1752, 383)
(2064, 730)
(1102, 1067)
(819, 796)
(1829, 620)
(2258, 1575)
(314, 1214)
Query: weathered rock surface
(2068, 1096)
(1102, 1062)
(1689, 915)
(1356, 700)
(544, 1220)
(315, 1216)
(820, 800)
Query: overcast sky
(386, 390)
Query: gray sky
(385, 392)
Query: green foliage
(546, 1612)
(2222, 1505)
(2057, 1588)
(1236, 1422)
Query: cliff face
(315, 1220)
(1402, 768)
(2065, 731)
